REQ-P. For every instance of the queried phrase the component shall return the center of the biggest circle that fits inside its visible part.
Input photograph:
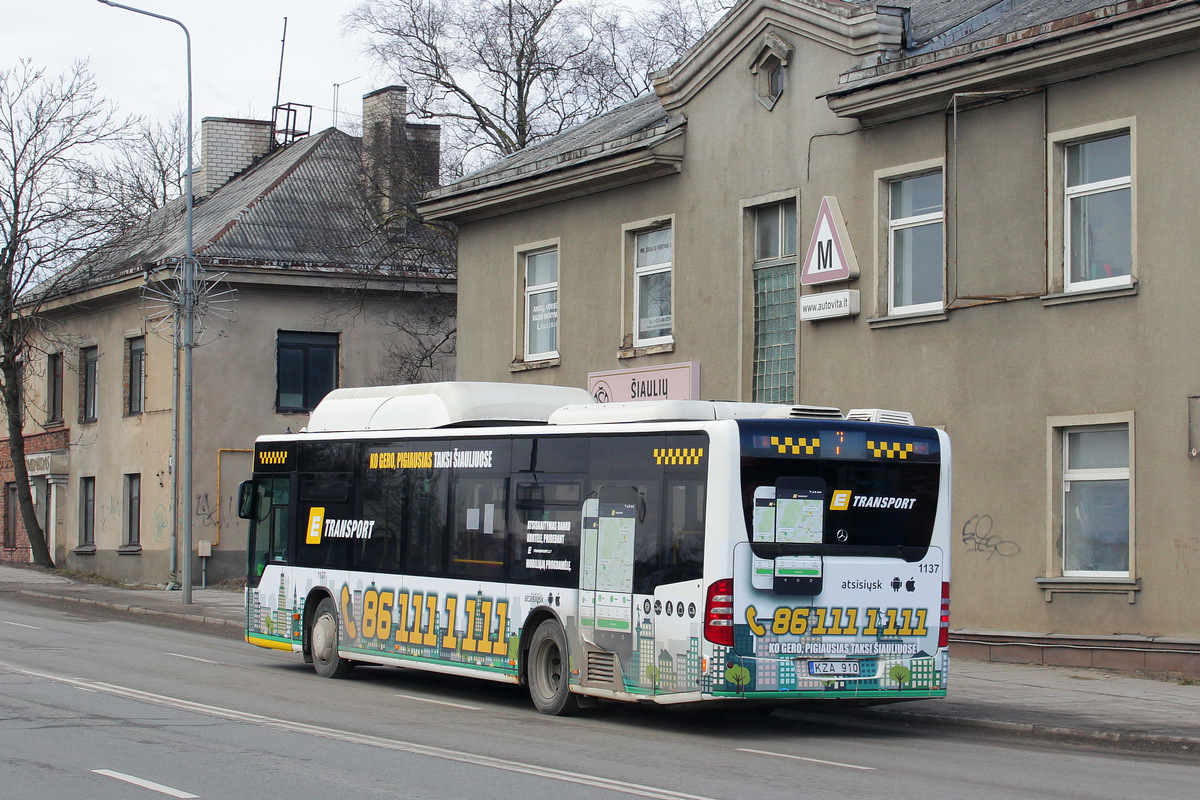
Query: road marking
(350, 737)
(145, 784)
(802, 758)
(20, 625)
(194, 658)
(439, 702)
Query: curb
(1183, 744)
(223, 626)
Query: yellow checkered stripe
(273, 457)
(678, 456)
(890, 449)
(795, 446)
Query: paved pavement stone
(1051, 702)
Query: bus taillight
(718, 613)
(944, 633)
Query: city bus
(660, 551)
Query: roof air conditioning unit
(881, 415)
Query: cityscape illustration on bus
(659, 551)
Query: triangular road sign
(830, 255)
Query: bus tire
(323, 636)
(549, 671)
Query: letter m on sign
(830, 255)
(825, 256)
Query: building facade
(303, 289)
(976, 212)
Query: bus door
(610, 520)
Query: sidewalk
(1045, 702)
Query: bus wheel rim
(550, 668)
(324, 637)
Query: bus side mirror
(246, 495)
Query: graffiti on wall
(977, 534)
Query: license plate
(840, 668)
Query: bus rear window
(812, 492)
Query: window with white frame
(774, 369)
(1096, 489)
(915, 244)
(653, 258)
(1098, 201)
(541, 304)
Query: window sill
(129, 550)
(85, 550)
(54, 424)
(1089, 294)
(524, 366)
(646, 350)
(1073, 585)
(908, 319)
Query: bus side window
(329, 495)
(479, 531)
(683, 544)
(425, 510)
(381, 498)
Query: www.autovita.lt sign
(828, 305)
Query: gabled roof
(620, 147)
(302, 206)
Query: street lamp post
(188, 313)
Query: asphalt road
(94, 707)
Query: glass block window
(774, 371)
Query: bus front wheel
(324, 638)
(549, 673)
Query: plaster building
(309, 270)
(979, 211)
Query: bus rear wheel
(549, 672)
(323, 636)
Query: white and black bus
(669, 552)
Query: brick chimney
(229, 147)
(400, 160)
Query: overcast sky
(140, 62)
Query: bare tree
(52, 213)
(145, 171)
(501, 74)
(498, 76)
(388, 240)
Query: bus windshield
(839, 489)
